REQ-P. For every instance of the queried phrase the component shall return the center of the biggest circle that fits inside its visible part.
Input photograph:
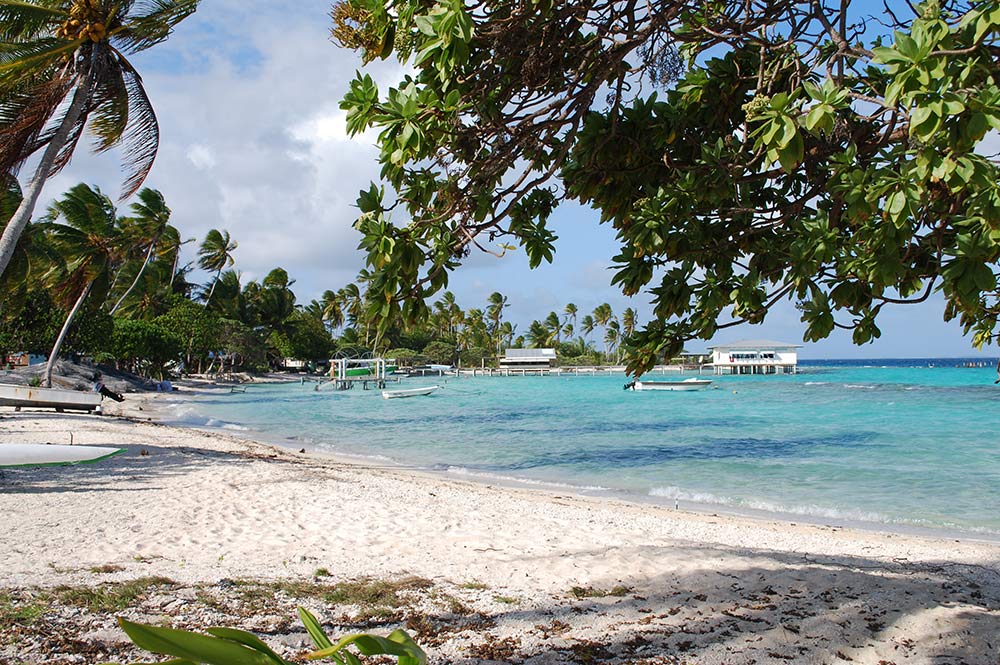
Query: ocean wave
(185, 416)
(861, 386)
(815, 383)
(809, 510)
(470, 473)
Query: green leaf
(192, 646)
(246, 639)
(314, 629)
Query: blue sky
(253, 141)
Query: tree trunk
(135, 281)
(212, 290)
(12, 233)
(54, 355)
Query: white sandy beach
(201, 507)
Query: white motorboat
(49, 398)
(685, 385)
(409, 392)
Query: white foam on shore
(184, 415)
(482, 475)
(808, 510)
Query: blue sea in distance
(901, 442)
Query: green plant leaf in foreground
(196, 648)
(228, 646)
(398, 644)
(315, 631)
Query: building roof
(756, 344)
(535, 354)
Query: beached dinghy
(409, 392)
(685, 385)
(49, 398)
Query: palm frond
(110, 114)
(141, 139)
(151, 22)
(20, 19)
(24, 116)
(31, 62)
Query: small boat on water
(685, 385)
(408, 392)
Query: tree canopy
(833, 154)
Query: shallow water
(911, 445)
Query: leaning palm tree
(331, 309)
(215, 255)
(64, 67)
(628, 322)
(570, 311)
(88, 240)
(150, 223)
(555, 328)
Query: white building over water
(755, 356)
(528, 359)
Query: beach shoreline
(199, 507)
(160, 414)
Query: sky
(253, 141)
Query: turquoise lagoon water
(905, 445)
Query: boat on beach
(48, 398)
(408, 392)
(684, 386)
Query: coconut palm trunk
(215, 283)
(50, 365)
(135, 281)
(22, 215)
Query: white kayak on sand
(685, 385)
(44, 454)
(408, 392)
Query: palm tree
(555, 328)
(494, 312)
(602, 316)
(612, 336)
(628, 322)
(59, 51)
(150, 223)
(538, 334)
(331, 309)
(570, 311)
(587, 325)
(215, 255)
(88, 242)
(352, 302)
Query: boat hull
(49, 398)
(676, 386)
(408, 392)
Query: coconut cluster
(86, 21)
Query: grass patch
(20, 612)
(507, 600)
(474, 586)
(107, 568)
(110, 597)
(593, 592)
(376, 599)
(321, 572)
